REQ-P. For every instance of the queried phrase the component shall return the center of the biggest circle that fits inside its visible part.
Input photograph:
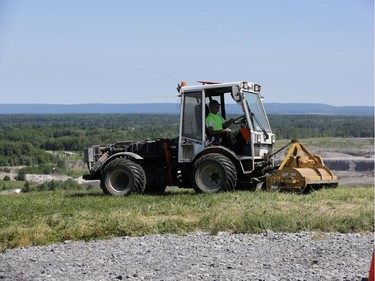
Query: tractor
(205, 162)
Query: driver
(216, 125)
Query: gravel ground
(197, 256)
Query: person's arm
(211, 129)
(228, 123)
(212, 132)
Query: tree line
(24, 139)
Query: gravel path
(196, 256)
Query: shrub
(6, 170)
(26, 187)
(60, 185)
(6, 178)
(21, 175)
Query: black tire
(122, 177)
(213, 173)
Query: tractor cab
(240, 101)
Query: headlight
(256, 88)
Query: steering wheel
(240, 120)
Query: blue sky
(119, 51)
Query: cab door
(191, 140)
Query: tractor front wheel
(213, 173)
(122, 177)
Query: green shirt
(215, 121)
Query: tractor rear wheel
(213, 173)
(122, 177)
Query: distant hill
(173, 108)
(317, 108)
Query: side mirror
(236, 93)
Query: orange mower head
(300, 171)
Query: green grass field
(39, 218)
(331, 143)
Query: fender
(130, 154)
(217, 149)
(237, 160)
(118, 155)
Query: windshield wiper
(252, 116)
(260, 125)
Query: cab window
(192, 116)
